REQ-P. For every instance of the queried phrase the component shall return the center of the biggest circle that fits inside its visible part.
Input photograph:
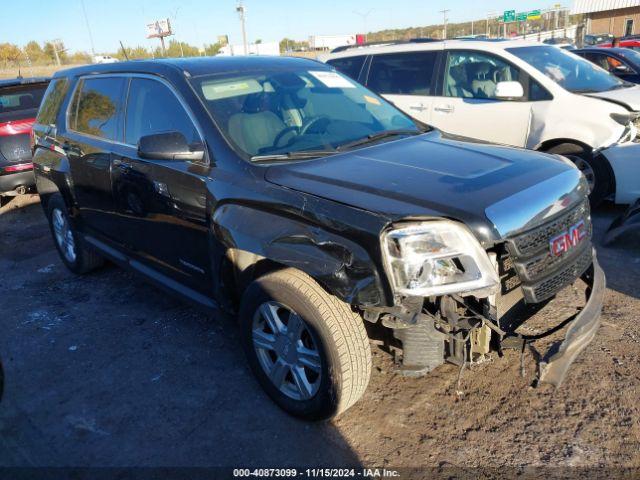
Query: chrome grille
(541, 273)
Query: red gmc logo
(568, 240)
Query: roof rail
(387, 42)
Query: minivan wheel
(594, 168)
(73, 252)
(308, 350)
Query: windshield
(571, 72)
(278, 111)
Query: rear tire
(71, 247)
(595, 168)
(342, 359)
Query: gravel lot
(105, 370)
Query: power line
(86, 21)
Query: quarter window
(476, 74)
(350, 66)
(52, 100)
(403, 73)
(98, 106)
(153, 108)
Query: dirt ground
(105, 370)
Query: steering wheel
(280, 136)
(303, 130)
(312, 122)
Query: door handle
(419, 107)
(123, 165)
(444, 108)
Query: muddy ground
(106, 370)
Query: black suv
(19, 102)
(280, 189)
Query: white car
(516, 93)
(104, 59)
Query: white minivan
(516, 93)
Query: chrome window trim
(130, 76)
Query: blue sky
(201, 21)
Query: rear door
(406, 79)
(161, 204)
(94, 127)
(18, 108)
(466, 103)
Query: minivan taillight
(16, 127)
(18, 168)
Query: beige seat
(483, 85)
(255, 128)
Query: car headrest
(481, 71)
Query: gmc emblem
(568, 240)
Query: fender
(53, 175)
(340, 265)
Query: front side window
(153, 108)
(570, 71)
(350, 66)
(98, 107)
(285, 111)
(402, 73)
(471, 74)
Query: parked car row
(514, 93)
(288, 193)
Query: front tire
(71, 247)
(594, 168)
(308, 350)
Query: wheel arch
(256, 242)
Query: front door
(162, 203)
(467, 104)
(94, 127)
(407, 80)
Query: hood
(629, 98)
(433, 175)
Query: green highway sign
(534, 15)
(509, 16)
(521, 17)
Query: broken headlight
(436, 258)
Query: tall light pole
(86, 21)
(364, 16)
(242, 11)
(444, 22)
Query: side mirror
(509, 90)
(169, 146)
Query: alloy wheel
(287, 350)
(63, 235)
(586, 170)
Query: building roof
(592, 6)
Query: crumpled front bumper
(556, 362)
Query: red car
(633, 43)
(19, 102)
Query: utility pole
(86, 21)
(55, 51)
(242, 11)
(364, 16)
(444, 22)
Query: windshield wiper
(301, 155)
(374, 137)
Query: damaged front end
(536, 261)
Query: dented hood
(626, 97)
(429, 175)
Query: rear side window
(53, 98)
(153, 108)
(350, 66)
(21, 97)
(403, 73)
(98, 107)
